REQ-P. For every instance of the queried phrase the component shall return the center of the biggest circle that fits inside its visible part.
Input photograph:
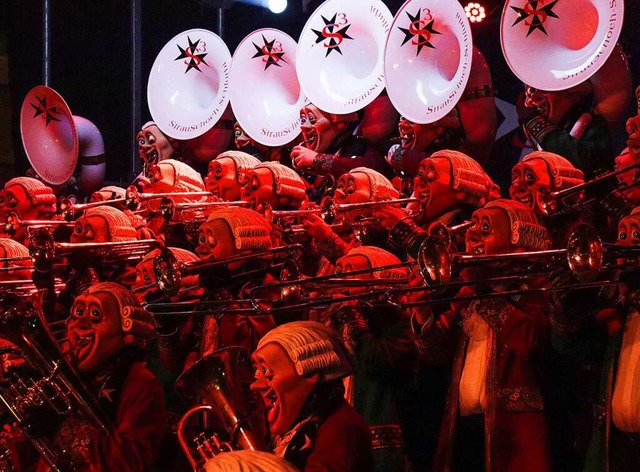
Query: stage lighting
(475, 12)
(277, 6)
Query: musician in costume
(332, 144)
(273, 184)
(109, 192)
(153, 145)
(538, 175)
(470, 127)
(380, 339)
(449, 186)
(299, 368)
(30, 199)
(168, 176)
(226, 234)
(359, 185)
(107, 333)
(495, 413)
(601, 332)
(226, 173)
(562, 122)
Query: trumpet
(13, 223)
(38, 403)
(71, 210)
(44, 251)
(221, 379)
(168, 208)
(549, 200)
(133, 197)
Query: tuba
(221, 379)
(267, 107)
(51, 390)
(55, 140)
(340, 62)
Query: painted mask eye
(622, 236)
(96, 315)
(636, 234)
(141, 142)
(529, 176)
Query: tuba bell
(51, 390)
(222, 380)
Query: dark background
(91, 61)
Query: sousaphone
(188, 87)
(427, 59)
(266, 96)
(54, 140)
(340, 52)
(558, 44)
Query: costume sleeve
(141, 419)
(340, 449)
(389, 353)
(589, 153)
(407, 160)
(337, 164)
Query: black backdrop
(91, 55)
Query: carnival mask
(240, 137)
(258, 188)
(319, 129)
(433, 186)
(90, 229)
(153, 146)
(490, 233)
(216, 241)
(418, 136)
(283, 391)
(528, 181)
(551, 105)
(633, 128)
(95, 331)
(629, 230)
(222, 179)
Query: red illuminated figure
(226, 174)
(299, 368)
(496, 343)
(330, 144)
(30, 199)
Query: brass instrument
(13, 223)
(221, 380)
(71, 210)
(44, 251)
(293, 297)
(168, 208)
(549, 200)
(169, 271)
(133, 197)
(446, 233)
(39, 401)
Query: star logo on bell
(420, 30)
(333, 33)
(535, 14)
(41, 108)
(191, 59)
(271, 53)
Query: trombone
(44, 251)
(71, 210)
(168, 208)
(584, 255)
(133, 197)
(549, 200)
(169, 271)
(13, 223)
